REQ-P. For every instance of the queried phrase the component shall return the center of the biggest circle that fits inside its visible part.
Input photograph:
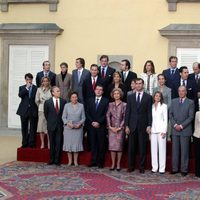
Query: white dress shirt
(54, 102)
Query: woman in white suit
(158, 133)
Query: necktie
(97, 103)
(29, 92)
(103, 72)
(93, 84)
(57, 109)
(197, 78)
(45, 74)
(124, 76)
(79, 76)
(138, 99)
(172, 72)
(183, 83)
(181, 101)
(148, 83)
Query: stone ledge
(30, 28)
(5, 4)
(172, 4)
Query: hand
(95, 124)
(127, 130)
(78, 126)
(70, 125)
(163, 135)
(114, 129)
(148, 129)
(178, 128)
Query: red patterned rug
(37, 181)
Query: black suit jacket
(53, 119)
(98, 115)
(87, 89)
(192, 77)
(40, 75)
(141, 117)
(26, 102)
(191, 89)
(131, 76)
(172, 81)
(108, 78)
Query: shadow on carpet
(37, 181)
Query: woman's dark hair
(161, 75)
(161, 97)
(72, 93)
(152, 67)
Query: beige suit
(65, 86)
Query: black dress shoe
(118, 169)
(112, 169)
(130, 170)
(50, 163)
(100, 166)
(141, 171)
(184, 173)
(92, 165)
(174, 172)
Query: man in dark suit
(172, 75)
(188, 83)
(78, 77)
(46, 73)
(90, 83)
(127, 75)
(105, 72)
(28, 111)
(181, 115)
(53, 109)
(96, 116)
(138, 121)
(195, 76)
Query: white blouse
(159, 118)
(152, 82)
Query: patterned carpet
(31, 181)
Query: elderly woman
(117, 83)
(115, 122)
(73, 119)
(43, 94)
(149, 76)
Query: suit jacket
(192, 77)
(77, 86)
(53, 119)
(191, 89)
(40, 75)
(99, 114)
(87, 88)
(167, 96)
(108, 78)
(159, 118)
(182, 114)
(26, 102)
(65, 86)
(172, 81)
(131, 76)
(140, 117)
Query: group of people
(110, 105)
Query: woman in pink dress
(115, 121)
